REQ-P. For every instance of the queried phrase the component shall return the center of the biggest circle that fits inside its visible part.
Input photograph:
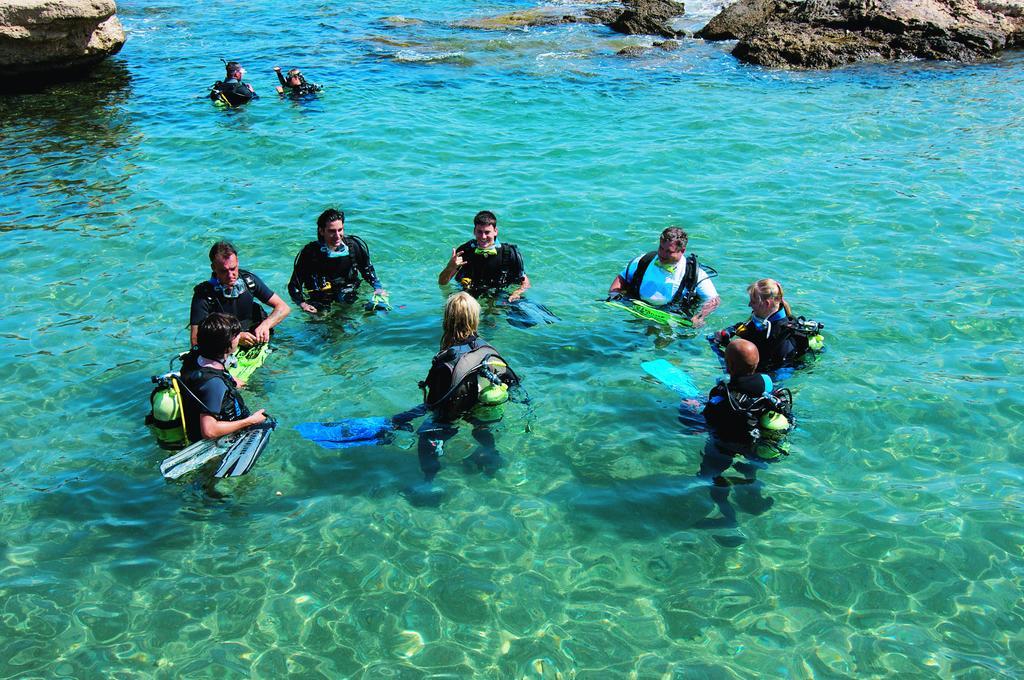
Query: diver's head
(330, 228)
(485, 229)
(741, 357)
(234, 70)
(224, 263)
(218, 336)
(295, 78)
(461, 319)
(672, 245)
(765, 297)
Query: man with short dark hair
(328, 269)
(483, 265)
(211, 402)
(232, 91)
(234, 291)
(664, 278)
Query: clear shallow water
(885, 198)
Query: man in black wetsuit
(483, 265)
(734, 415)
(328, 269)
(234, 291)
(232, 91)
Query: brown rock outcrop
(43, 40)
(831, 33)
(634, 17)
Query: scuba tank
(773, 425)
(492, 393)
(167, 417)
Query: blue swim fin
(672, 376)
(341, 434)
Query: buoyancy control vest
(327, 277)
(480, 273)
(782, 341)
(744, 412)
(685, 298)
(232, 94)
(459, 378)
(193, 378)
(247, 298)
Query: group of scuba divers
(233, 91)
(468, 380)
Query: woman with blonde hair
(781, 338)
(468, 379)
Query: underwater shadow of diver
(643, 508)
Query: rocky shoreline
(822, 34)
(43, 41)
(810, 34)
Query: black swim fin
(195, 455)
(242, 454)
(525, 313)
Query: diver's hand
(246, 339)
(262, 333)
(257, 417)
(306, 307)
(515, 296)
(615, 296)
(277, 68)
(381, 293)
(456, 260)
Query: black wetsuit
(208, 390)
(489, 272)
(325, 279)
(206, 299)
(778, 344)
(724, 419)
(300, 90)
(233, 92)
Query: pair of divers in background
(234, 92)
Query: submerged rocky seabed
(882, 196)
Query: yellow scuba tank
(491, 396)
(816, 342)
(167, 416)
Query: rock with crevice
(648, 17)
(819, 34)
(45, 40)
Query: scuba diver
(748, 420)
(210, 399)
(664, 279)
(329, 268)
(234, 291)
(781, 338)
(468, 379)
(672, 283)
(483, 265)
(232, 91)
(296, 83)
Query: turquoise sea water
(885, 198)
